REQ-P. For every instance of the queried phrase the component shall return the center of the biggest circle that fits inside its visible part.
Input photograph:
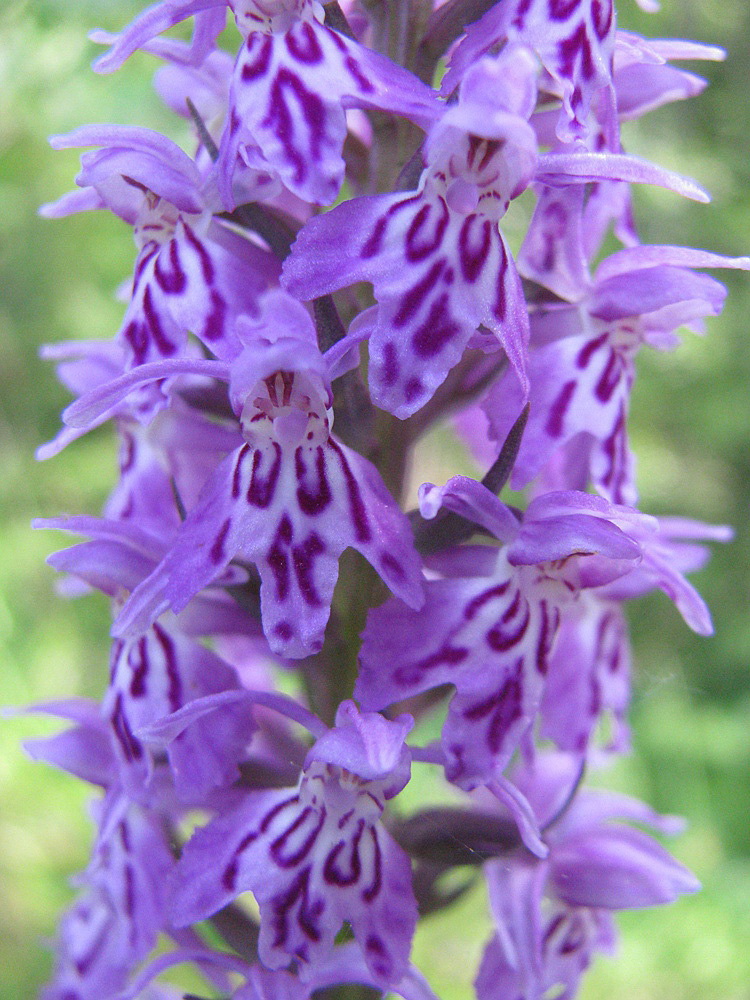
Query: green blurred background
(691, 712)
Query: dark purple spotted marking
(558, 409)
(364, 86)
(502, 709)
(337, 40)
(276, 810)
(609, 379)
(552, 927)
(374, 241)
(287, 84)
(343, 820)
(262, 488)
(357, 508)
(83, 963)
(560, 10)
(333, 873)
(283, 630)
(116, 652)
(215, 324)
(217, 552)
(136, 335)
(556, 217)
(168, 271)
(413, 389)
(586, 353)
(523, 9)
(437, 330)
(229, 876)
(474, 243)
(237, 473)
(153, 323)
(303, 558)
(512, 610)
(174, 691)
(446, 656)
(390, 565)
(550, 623)
(477, 603)
(146, 256)
(312, 501)
(574, 939)
(500, 305)
(615, 448)
(302, 44)
(130, 896)
(131, 747)
(127, 509)
(122, 829)
(308, 912)
(140, 668)
(595, 697)
(412, 300)
(207, 265)
(602, 16)
(278, 559)
(374, 944)
(370, 892)
(501, 641)
(281, 850)
(576, 48)
(426, 231)
(612, 641)
(350, 63)
(256, 57)
(389, 370)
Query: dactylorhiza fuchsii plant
(321, 276)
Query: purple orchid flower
(582, 362)
(293, 78)
(192, 274)
(154, 676)
(553, 914)
(121, 908)
(290, 499)
(588, 678)
(574, 39)
(438, 262)
(160, 672)
(317, 856)
(439, 265)
(491, 633)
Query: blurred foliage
(691, 712)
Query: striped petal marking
(178, 287)
(491, 638)
(293, 78)
(291, 499)
(575, 41)
(314, 858)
